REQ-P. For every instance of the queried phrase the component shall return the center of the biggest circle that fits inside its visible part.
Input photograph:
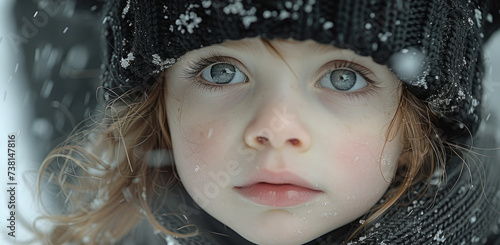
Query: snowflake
(188, 20)
(237, 8)
(126, 62)
(163, 64)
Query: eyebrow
(244, 44)
(252, 46)
(323, 48)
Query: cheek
(360, 156)
(197, 144)
(365, 166)
(200, 147)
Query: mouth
(277, 190)
(277, 195)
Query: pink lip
(277, 189)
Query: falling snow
(125, 62)
(170, 240)
(327, 25)
(479, 17)
(189, 20)
(237, 8)
(384, 36)
(143, 195)
(101, 198)
(159, 158)
(126, 9)
(409, 66)
(127, 194)
(489, 18)
(439, 237)
(473, 219)
(210, 133)
(206, 3)
(163, 64)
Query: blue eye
(223, 73)
(343, 80)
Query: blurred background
(49, 71)
(50, 63)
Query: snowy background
(35, 76)
(49, 70)
(15, 119)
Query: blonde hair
(423, 151)
(107, 169)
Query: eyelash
(194, 70)
(364, 72)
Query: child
(283, 122)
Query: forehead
(280, 47)
(254, 43)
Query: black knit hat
(442, 38)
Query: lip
(277, 189)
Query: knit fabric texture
(434, 47)
(460, 207)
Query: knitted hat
(434, 47)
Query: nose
(277, 127)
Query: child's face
(290, 144)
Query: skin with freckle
(333, 140)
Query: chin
(275, 238)
(279, 227)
